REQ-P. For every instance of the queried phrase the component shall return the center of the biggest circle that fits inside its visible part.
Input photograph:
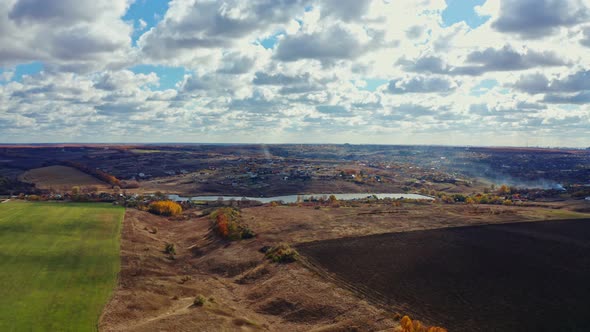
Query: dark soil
(511, 277)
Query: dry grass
(244, 291)
(304, 224)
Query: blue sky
(357, 71)
(463, 10)
(150, 11)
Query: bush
(282, 253)
(247, 233)
(170, 249)
(226, 222)
(165, 208)
(200, 301)
(34, 198)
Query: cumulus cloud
(346, 10)
(532, 83)
(489, 60)
(335, 43)
(294, 70)
(585, 40)
(540, 18)
(576, 98)
(191, 25)
(69, 35)
(538, 83)
(569, 89)
(421, 84)
(507, 58)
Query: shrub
(247, 233)
(34, 198)
(170, 249)
(165, 208)
(226, 222)
(200, 301)
(282, 253)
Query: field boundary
(118, 281)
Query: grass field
(58, 264)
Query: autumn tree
(165, 208)
(408, 325)
(504, 190)
(228, 224)
(222, 225)
(75, 190)
(333, 199)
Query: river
(294, 198)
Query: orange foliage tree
(222, 225)
(227, 223)
(407, 325)
(165, 208)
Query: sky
(454, 72)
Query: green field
(58, 264)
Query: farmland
(510, 277)
(252, 170)
(169, 262)
(60, 177)
(246, 291)
(58, 264)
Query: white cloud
(68, 35)
(339, 71)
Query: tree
(165, 208)
(75, 190)
(333, 199)
(504, 190)
(222, 225)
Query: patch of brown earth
(243, 290)
(246, 292)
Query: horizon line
(57, 144)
